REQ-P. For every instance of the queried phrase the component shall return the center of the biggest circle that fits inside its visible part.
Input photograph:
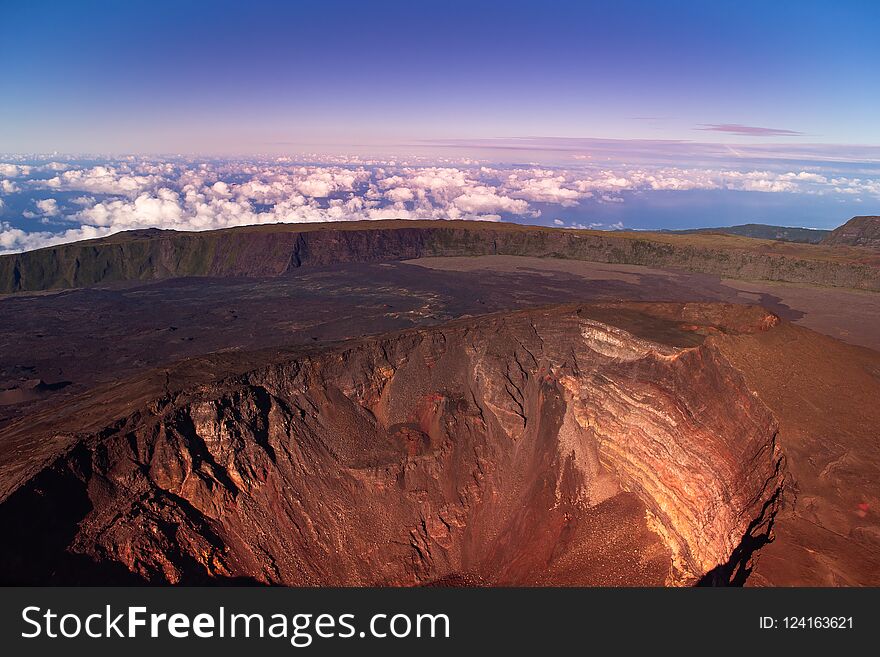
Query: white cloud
(198, 195)
(483, 199)
(392, 181)
(544, 187)
(605, 181)
(103, 180)
(220, 188)
(160, 210)
(399, 194)
(806, 176)
(436, 179)
(13, 240)
(320, 182)
(14, 170)
(45, 208)
(48, 207)
(56, 166)
(765, 186)
(315, 188)
(598, 225)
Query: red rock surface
(824, 394)
(603, 444)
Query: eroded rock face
(273, 250)
(539, 447)
(858, 231)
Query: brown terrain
(858, 231)
(510, 420)
(279, 249)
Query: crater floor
(573, 445)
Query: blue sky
(236, 77)
(642, 115)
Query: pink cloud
(748, 130)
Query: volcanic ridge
(440, 404)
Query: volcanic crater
(603, 444)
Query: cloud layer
(65, 201)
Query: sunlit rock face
(555, 446)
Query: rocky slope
(824, 395)
(606, 444)
(275, 249)
(764, 232)
(858, 231)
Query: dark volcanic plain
(511, 419)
